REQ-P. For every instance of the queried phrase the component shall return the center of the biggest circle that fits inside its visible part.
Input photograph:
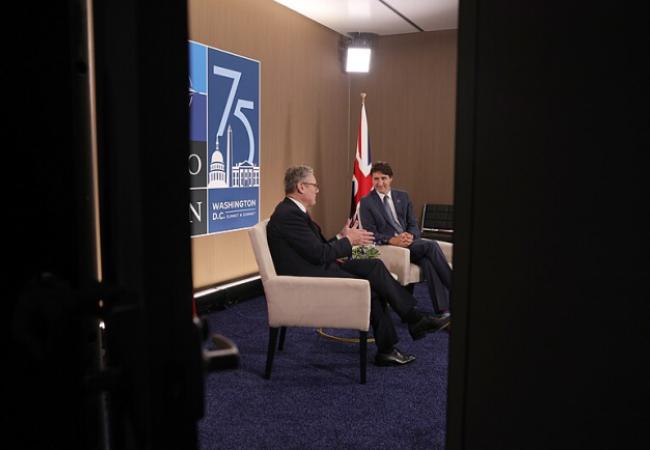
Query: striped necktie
(393, 220)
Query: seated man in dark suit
(298, 248)
(388, 213)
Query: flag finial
(363, 97)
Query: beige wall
(411, 107)
(305, 116)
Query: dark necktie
(393, 220)
(314, 226)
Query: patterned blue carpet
(314, 399)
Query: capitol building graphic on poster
(224, 174)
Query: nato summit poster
(224, 160)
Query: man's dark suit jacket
(375, 218)
(425, 253)
(299, 248)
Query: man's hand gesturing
(356, 235)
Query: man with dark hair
(388, 213)
(298, 248)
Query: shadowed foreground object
(315, 401)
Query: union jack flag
(361, 179)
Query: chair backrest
(261, 250)
(437, 217)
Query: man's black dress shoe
(427, 324)
(393, 358)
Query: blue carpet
(314, 400)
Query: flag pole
(355, 216)
(361, 184)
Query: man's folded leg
(383, 283)
(402, 302)
(436, 272)
(438, 293)
(385, 336)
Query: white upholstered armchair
(397, 261)
(309, 301)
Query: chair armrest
(397, 260)
(318, 302)
(448, 249)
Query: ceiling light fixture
(359, 51)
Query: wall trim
(221, 296)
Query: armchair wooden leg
(363, 351)
(283, 332)
(273, 339)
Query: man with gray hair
(299, 248)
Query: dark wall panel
(550, 303)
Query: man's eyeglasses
(311, 184)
